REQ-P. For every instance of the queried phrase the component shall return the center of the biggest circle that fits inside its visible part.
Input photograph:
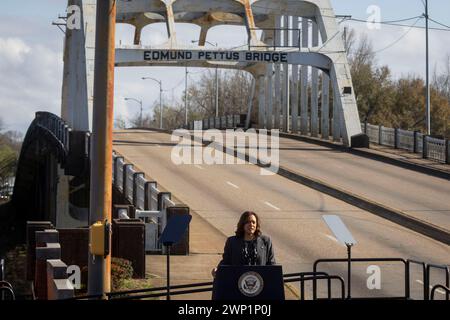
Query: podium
(248, 283)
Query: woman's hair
(240, 232)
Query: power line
(399, 25)
(399, 39)
(388, 22)
(439, 23)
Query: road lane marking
(232, 184)
(272, 206)
(330, 237)
(431, 287)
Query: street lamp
(160, 98)
(140, 114)
(217, 78)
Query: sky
(31, 53)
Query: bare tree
(234, 90)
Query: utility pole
(160, 98)
(428, 94)
(99, 267)
(160, 105)
(140, 114)
(185, 98)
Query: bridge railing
(413, 141)
(150, 202)
(55, 125)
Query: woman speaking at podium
(248, 246)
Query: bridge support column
(294, 95)
(277, 109)
(325, 114)
(78, 74)
(269, 97)
(315, 87)
(304, 82)
(261, 102)
(336, 118)
(62, 200)
(285, 81)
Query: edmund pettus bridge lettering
(238, 56)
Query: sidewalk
(414, 158)
(206, 248)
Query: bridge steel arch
(306, 31)
(46, 155)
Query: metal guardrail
(424, 277)
(302, 278)
(208, 287)
(446, 269)
(439, 287)
(369, 260)
(412, 141)
(426, 270)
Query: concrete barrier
(58, 286)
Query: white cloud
(12, 51)
(30, 81)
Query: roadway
(419, 195)
(290, 212)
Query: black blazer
(232, 253)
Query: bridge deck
(290, 212)
(417, 194)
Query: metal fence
(412, 141)
(223, 122)
(319, 278)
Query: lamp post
(160, 98)
(140, 114)
(185, 98)
(428, 94)
(217, 79)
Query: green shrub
(121, 270)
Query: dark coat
(232, 253)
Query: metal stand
(168, 246)
(349, 270)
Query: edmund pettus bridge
(390, 186)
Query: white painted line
(431, 287)
(197, 166)
(440, 291)
(330, 237)
(233, 185)
(272, 206)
